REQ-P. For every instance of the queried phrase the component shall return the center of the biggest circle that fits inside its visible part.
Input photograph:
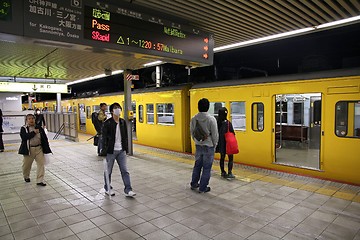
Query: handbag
(231, 143)
(96, 140)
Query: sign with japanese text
(54, 20)
(31, 87)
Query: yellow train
(303, 126)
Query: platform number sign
(76, 3)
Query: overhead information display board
(123, 29)
(108, 24)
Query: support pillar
(158, 76)
(58, 102)
(127, 109)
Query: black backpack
(96, 122)
(199, 133)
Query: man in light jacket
(204, 155)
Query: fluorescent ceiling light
(94, 77)
(286, 34)
(331, 24)
(152, 63)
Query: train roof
(282, 78)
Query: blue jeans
(204, 157)
(120, 157)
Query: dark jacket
(1, 123)
(108, 136)
(223, 128)
(25, 140)
(39, 120)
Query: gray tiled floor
(74, 206)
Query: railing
(62, 124)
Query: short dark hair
(113, 105)
(30, 115)
(102, 104)
(203, 105)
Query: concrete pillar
(58, 102)
(127, 109)
(158, 76)
(30, 101)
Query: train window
(298, 112)
(141, 113)
(281, 109)
(150, 113)
(347, 119)
(238, 116)
(257, 117)
(165, 113)
(214, 108)
(88, 112)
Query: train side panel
(162, 135)
(339, 157)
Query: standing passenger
(39, 119)
(34, 144)
(1, 132)
(115, 147)
(224, 125)
(204, 155)
(101, 117)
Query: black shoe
(41, 184)
(223, 174)
(1, 150)
(194, 187)
(208, 189)
(27, 179)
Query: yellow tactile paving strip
(241, 174)
(250, 176)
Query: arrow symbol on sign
(205, 55)
(206, 48)
(206, 40)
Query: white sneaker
(110, 193)
(130, 194)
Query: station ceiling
(231, 21)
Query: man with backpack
(203, 129)
(98, 120)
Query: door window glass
(238, 116)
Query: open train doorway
(298, 129)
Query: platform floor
(259, 204)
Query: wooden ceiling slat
(254, 6)
(345, 4)
(250, 17)
(269, 6)
(309, 20)
(260, 15)
(298, 17)
(356, 4)
(309, 12)
(229, 31)
(247, 21)
(324, 5)
(337, 8)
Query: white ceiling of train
(231, 21)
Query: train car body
(303, 124)
(309, 127)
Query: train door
(297, 129)
(82, 117)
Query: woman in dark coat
(223, 126)
(1, 132)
